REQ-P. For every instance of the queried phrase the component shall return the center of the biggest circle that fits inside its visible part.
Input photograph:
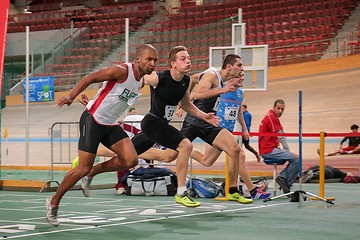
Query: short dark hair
(280, 101)
(244, 105)
(230, 59)
(132, 109)
(174, 51)
(354, 126)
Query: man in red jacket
(269, 146)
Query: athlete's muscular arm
(208, 81)
(152, 79)
(194, 79)
(190, 108)
(118, 73)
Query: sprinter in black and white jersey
(212, 83)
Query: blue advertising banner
(41, 89)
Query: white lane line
(39, 223)
(102, 202)
(123, 211)
(149, 220)
(62, 215)
(117, 209)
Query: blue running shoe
(260, 194)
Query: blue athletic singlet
(228, 108)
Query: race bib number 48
(231, 113)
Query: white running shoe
(51, 213)
(85, 186)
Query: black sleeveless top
(206, 105)
(166, 96)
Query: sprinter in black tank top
(167, 95)
(167, 90)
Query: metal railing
(64, 145)
(64, 141)
(64, 138)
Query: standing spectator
(269, 146)
(246, 142)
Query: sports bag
(204, 188)
(150, 182)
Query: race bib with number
(231, 113)
(169, 112)
(216, 105)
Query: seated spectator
(354, 144)
(269, 146)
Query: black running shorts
(161, 132)
(92, 134)
(207, 134)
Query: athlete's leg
(238, 157)
(356, 149)
(251, 149)
(208, 158)
(333, 153)
(211, 154)
(351, 149)
(243, 172)
(88, 143)
(105, 152)
(225, 141)
(125, 158)
(154, 154)
(73, 176)
(182, 161)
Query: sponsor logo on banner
(41, 89)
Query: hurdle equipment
(300, 195)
